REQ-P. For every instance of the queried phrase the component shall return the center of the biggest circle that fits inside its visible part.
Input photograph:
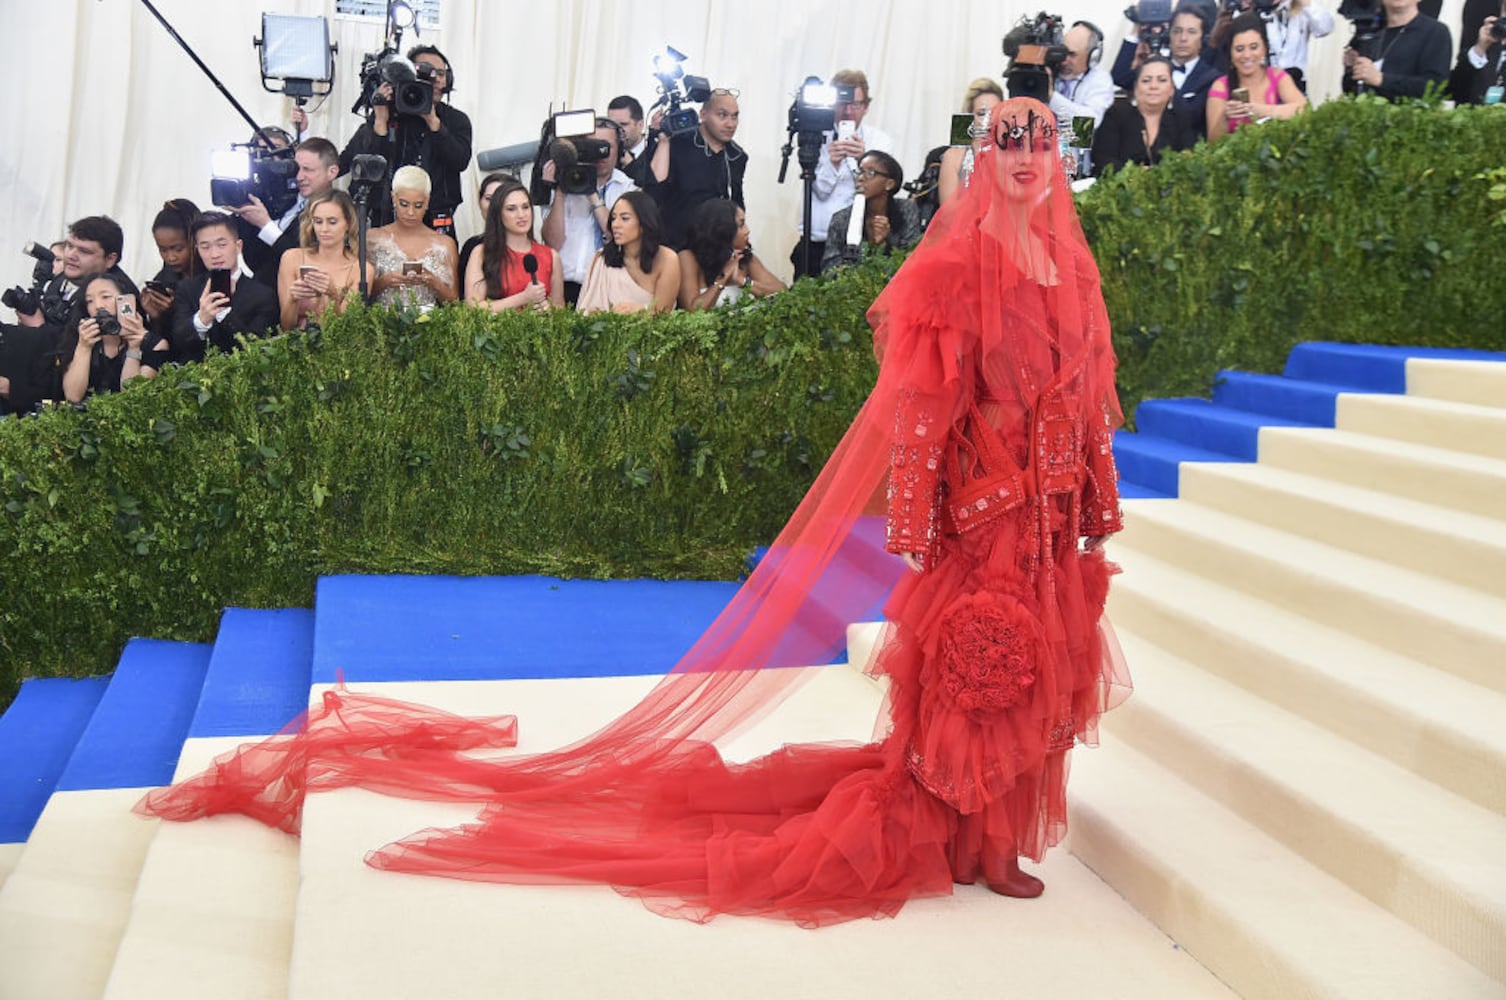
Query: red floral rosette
(991, 646)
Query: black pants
(818, 250)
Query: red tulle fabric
(998, 656)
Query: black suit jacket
(1415, 56)
(1120, 140)
(1464, 85)
(253, 311)
(444, 154)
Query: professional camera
(1154, 19)
(26, 301)
(412, 86)
(675, 87)
(1498, 30)
(568, 138)
(1036, 52)
(250, 168)
(1264, 9)
(109, 326)
(1369, 20)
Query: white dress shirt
(834, 186)
(1288, 34)
(583, 235)
(1088, 96)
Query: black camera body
(1498, 30)
(37, 298)
(1154, 19)
(24, 301)
(271, 175)
(1036, 52)
(412, 86)
(1369, 20)
(676, 88)
(109, 326)
(568, 139)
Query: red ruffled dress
(988, 439)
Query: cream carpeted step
(1445, 729)
(65, 904)
(374, 935)
(1439, 423)
(1430, 857)
(1439, 623)
(1469, 483)
(9, 855)
(1263, 920)
(1482, 383)
(214, 905)
(1465, 548)
(863, 641)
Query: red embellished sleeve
(1100, 491)
(915, 473)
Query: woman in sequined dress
(414, 265)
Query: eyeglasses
(731, 92)
(866, 172)
(853, 104)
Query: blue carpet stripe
(1369, 367)
(258, 678)
(488, 628)
(137, 732)
(37, 736)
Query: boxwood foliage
(464, 442)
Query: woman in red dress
(990, 424)
(499, 277)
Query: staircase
(1305, 797)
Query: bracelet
(134, 355)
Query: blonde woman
(324, 270)
(414, 265)
(957, 162)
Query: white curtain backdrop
(115, 118)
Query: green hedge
(1360, 221)
(470, 443)
(456, 442)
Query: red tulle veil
(999, 305)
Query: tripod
(809, 144)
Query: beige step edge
(1482, 383)
(1259, 917)
(1437, 423)
(1445, 729)
(1426, 855)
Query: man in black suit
(201, 315)
(318, 165)
(1193, 70)
(1480, 65)
(1410, 54)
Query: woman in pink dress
(1253, 91)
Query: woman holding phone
(414, 265)
(323, 273)
(100, 350)
(1253, 91)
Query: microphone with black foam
(531, 265)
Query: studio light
(296, 51)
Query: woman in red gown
(991, 425)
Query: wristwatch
(133, 354)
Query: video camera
(676, 87)
(1264, 9)
(1036, 52)
(412, 86)
(1154, 20)
(251, 168)
(1369, 20)
(568, 138)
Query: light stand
(812, 116)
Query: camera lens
(109, 326)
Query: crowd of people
(663, 223)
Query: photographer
(697, 166)
(318, 164)
(1399, 63)
(835, 184)
(101, 348)
(637, 148)
(215, 307)
(1481, 64)
(439, 142)
(93, 246)
(577, 224)
(266, 239)
(1083, 88)
(1192, 67)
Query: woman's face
(330, 226)
(410, 207)
(173, 248)
(1247, 51)
(517, 214)
(873, 179)
(983, 109)
(486, 197)
(625, 227)
(1024, 158)
(743, 237)
(101, 294)
(1153, 87)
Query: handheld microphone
(531, 265)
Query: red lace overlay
(997, 655)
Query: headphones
(616, 128)
(1095, 54)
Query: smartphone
(1240, 94)
(125, 305)
(304, 270)
(159, 288)
(413, 267)
(219, 281)
(845, 128)
(961, 136)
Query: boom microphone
(516, 155)
(531, 265)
